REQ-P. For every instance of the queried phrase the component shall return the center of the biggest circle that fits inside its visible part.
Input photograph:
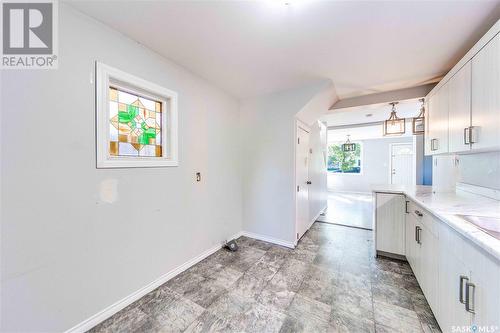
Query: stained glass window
(135, 127)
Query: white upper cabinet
(460, 110)
(463, 110)
(436, 136)
(486, 97)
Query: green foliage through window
(344, 162)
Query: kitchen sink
(490, 225)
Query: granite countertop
(446, 207)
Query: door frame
(414, 175)
(302, 125)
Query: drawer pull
(417, 234)
(466, 135)
(469, 297)
(461, 288)
(419, 213)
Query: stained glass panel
(135, 125)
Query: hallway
(349, 209)
(324, 285)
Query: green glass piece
(132, 110)
(131, 113)
(149, 133)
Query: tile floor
(330, 283)
(350, 209)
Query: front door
(302, 179)
(402, 164)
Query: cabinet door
(460, 110)
(430, 105)
(429, 268)
(486, 295)
(437, 124)
(484, 292)
(486, 96)
(451, 311)
(390, 219)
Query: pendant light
(418, 122)
(394, 125)
(348, 145)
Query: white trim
(106, 75)
(479, 190)
(126, 301)
(269, 239)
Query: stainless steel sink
(490, 225)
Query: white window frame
(361, 159)
(107, 76)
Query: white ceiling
(250, 48)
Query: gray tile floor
(330, 283)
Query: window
(344, 162)
(136, 121)
(135, 125)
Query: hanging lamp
(419, 121)
(348, 145)
(394, 125)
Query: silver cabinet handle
(434, 144)
(466, 135)
(418, 213)
(472, 137)
(469, 297)
(417, 234)
(461, 290)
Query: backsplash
(481, 169)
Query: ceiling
(249, 48)
(371, 113)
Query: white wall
(375, 167)
(268, 159)
(65, 253)
(318, 191)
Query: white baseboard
(121, 304)
(269, 239)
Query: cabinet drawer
(424, 218)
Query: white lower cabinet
(460, 281)
(421, 244)
(453, 274)
(390, 227)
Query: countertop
(446, 207)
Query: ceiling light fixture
(394, 125)
(348, 145)
(419, 121)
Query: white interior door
(302, 179)
(402, 164)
